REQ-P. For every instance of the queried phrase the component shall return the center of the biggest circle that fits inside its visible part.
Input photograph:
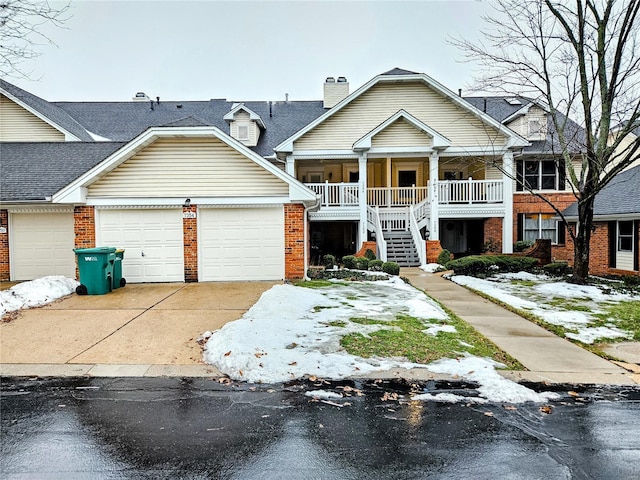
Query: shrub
(557, 269)
(522, 245)
(488, 264)
(392, 268)
(328, 261)
(490, 246)
(444, 257)
(375, 265)
(349, 261)
(369, 254)
(362, 263)
(350, 275)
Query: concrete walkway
(547, 357)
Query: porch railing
(336, 194)
(470, 191)
(396, 196)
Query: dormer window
(535, 128)
(243, 133)
(244, 124)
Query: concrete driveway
(141, 329)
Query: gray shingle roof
(35, 171)
(48, 110)
(620, 197)
(398, 71)
(122, 121)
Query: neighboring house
(615, 245)
(220, 190)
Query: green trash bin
(118, 281)
(95, 266)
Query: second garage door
(241, 243)
(152, 239)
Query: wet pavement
(200, 428)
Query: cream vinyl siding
(382, 101)
(19, 125)
(193, 167)
(243, 118)
(521, 124)
(401, 134)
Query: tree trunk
(582, 244)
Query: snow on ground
(36, 292)
(294, 332)
(432, 267)
(536, 300)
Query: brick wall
(84, 226)
(527, 203)
(294, 241)
(433, 250)
(493, 232)
(4, 246)
(190, 243)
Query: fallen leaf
(291, 345)
(334, 404)
(510, 407)
(228, 353)
(489, 414)
(241, 373)
(293, 363)
(389, 396)
(313, 378)
(320, 425)
(546, 409)
(573, 394)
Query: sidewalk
(547, 357)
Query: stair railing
(418, 241)
(373, 217)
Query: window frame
(240, 128)
(557, 237)
(535, 168)
(624, 236)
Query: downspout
(306, 234)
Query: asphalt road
(196, 429)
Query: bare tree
(581, 59)
(21, 35)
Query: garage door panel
(152, 240)
(241, 244)
(42, 244)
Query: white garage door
(241, 244)
(152, 240)
(42, 244)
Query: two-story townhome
(217, 189)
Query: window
(243, 132)
(316, 177)
(540, 175)
(535, 127)
(532, 226)
(625, 236)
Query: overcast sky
(244, 50)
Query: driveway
(136, 330)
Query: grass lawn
(419, 340)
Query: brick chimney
(335, 91)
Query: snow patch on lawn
(535, 299)
(294, 332)
(432, 267)
(36, 292)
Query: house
(222, 190)
(615, 244)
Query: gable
(522, 123)
(188, 167)
(20, 125)
(382, 100)
(401, 134)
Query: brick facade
(294, 241)
(528, 203)
(4, 246)
(493, 233)
(599, 251)
(190, 243)
(84, 226)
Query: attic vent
(513, 101)
(140, 96)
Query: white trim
(518, 113)
(72, 193)
(324, 154)
(68, 136)
(253, 116)
(439, 141)
(39, 209)
(513, 139)
(168, 202)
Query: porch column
(508, 175)
(434, 216)
(290, 166)
(362, 198)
